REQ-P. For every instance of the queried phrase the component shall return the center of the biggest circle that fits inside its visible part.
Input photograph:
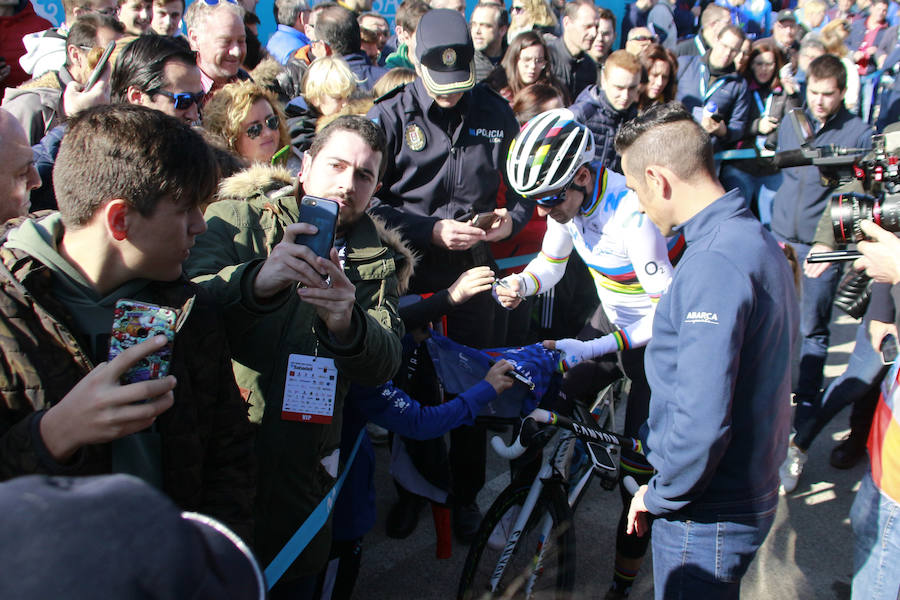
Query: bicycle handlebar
(546, 417)
(514, 450)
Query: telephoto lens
(847, 210)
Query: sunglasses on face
(554, 199)
(517, 9)
(255, 130)
(108, 11)
(642, 38)
(214, 2)
(182, 101)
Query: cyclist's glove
(576, 351)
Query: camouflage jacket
(206, 437)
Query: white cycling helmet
(547, 152)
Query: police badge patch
(448, 57)
(415, 137)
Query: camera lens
(847, 210)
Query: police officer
(447, 141)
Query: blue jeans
(705, 560)
(864, 372)
(875, 520)
(815, 316)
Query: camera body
(878, 173)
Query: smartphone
(485, 220)
(101, 64)
(836, 256)
(889, 349)
(135, 322)
(323, 214)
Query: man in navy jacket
(718, 365)
(799, 204)
(604, 107)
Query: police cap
(444, 50)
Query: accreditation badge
(309, 389)
(415, 137)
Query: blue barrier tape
(515, 261)
(311, 526)
(871, 76)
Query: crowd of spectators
(195, 112)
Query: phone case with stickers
(135, 322)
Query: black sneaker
(466, 520)
(849, 452)
(404, 516)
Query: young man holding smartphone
(286, 321)
(120, 233)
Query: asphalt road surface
(807, 555)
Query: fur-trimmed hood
(274, 182)
(266, 74)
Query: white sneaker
(792, 468)
(500, 534)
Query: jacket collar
(725, 207)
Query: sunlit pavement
(808, 554)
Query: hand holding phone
(100, 409)
(485, 220)
(101, 65)
(135, 322)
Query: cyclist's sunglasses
(182, 101)
(255, 130)
(555, 199)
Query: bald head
(17, 173)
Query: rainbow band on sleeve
(622, 340)
(534, 279)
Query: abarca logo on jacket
(699, 316)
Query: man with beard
(216, 33)
(288, 309)
(489, 23)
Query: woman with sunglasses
(530, 15)
(771, 99)
(525, 63)
(249, 119)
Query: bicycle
(525, 546)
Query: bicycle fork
(521, 521)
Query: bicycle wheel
(555, 576)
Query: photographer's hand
(813, 270)
(881, 256)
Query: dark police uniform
(442, 164)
